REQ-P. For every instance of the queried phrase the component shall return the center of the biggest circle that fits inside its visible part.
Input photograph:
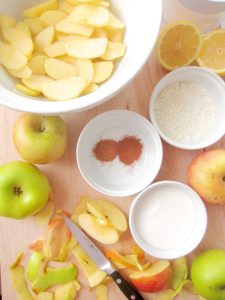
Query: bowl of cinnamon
(119, 153)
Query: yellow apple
(206, 175)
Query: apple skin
(206, 175)
(24, 190)
(40, 139)
(155, 282)
(208, 274)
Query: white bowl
(142, 19)
(216, 88)
(115, 178)
(196, 218)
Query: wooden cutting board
(69, 186)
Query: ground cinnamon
(129, 149)
(106, 150)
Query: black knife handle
(128, 290)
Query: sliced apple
(114, 50)
(26, 91)
(44, 38)
(37, 64)
(35, 266)
(90, 14)
(36, 82)
(11, 58)
(45, 296)
(52, 17)
(97, 230)
(37, 10)
(80, 208)
(19, 39)
(99, 33)
(85, 69)
(64, 89)
(56, 49)
(58, 69)
(102, 71)
(115, 35)
(23, 73)
(56, 239)
(101, 292)
(35, 25)
(54, 277)
(155, 278)
(105, 209)
(92, 87)
(94, 275)
(138, 251)
(114, 22)
(91, 48)
(66, 292)
(65, 7)
(206, 175)
(7, 22)
(17, 275)
(23, 27)
(66, 26)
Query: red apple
(206, 175)
(155, 278)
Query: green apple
(40, 139)
(208, 274)
(24, 190)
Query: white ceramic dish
(216, 88)
(198, 222)
(115, 178)
(142, 19)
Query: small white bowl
(114, 178)
(216, 88)
(196, 217)
(142, 20)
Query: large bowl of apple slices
(59, 56)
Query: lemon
(178, 44)
(212, 54)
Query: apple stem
(17, 190)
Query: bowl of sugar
(187, 108)
(168, 219)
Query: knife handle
(126, 288)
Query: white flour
(185, 112)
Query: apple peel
(43, 216)
(180, 272)
(36, 245)
(66, 292)
(101, 292)
(138, 251)
(35, 266)
(17, 260)
(54, 277)
(44, 296)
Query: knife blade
(102, 262)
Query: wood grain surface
(69, 186)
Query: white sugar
(185, 112)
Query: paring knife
(102, 262)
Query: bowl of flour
(187, 108)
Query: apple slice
(91, 48)
(115, 35)
(54, 277)
(7, 22)
(102, 71)
(19, 40)
(114, 50)
(35, 25)
(64, 89)
(56, 49)
(92, 87)
(99, 231)
(18, 279)
(90, 14)
(66, 292)
(37, 64)
(25, 90)
(36, 82)
(114, 22)
(155, 278)
(35, 266)
(24, 27)
(37, 10)
(85, 69)
(11, 58)
(58, 69)
(68, 27)
(56, 239)
(166, 295)
(94, 275)
(44, 38)
(101, 292)
(106, 210)
(80, 208)
(44, 296)
(52, 17)
(23, 73)
(206, 175)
